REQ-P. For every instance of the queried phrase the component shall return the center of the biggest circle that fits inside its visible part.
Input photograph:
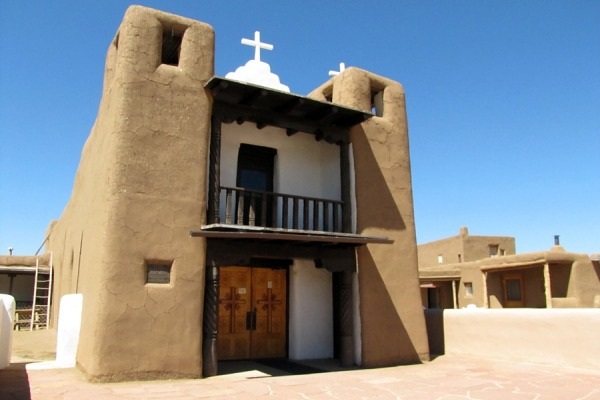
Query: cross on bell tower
(257, 44)
(342, 68)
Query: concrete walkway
(448, 378)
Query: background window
(469, 289)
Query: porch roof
(439, 274)
(22, 269)
(24, 264)
(240, 102)
(527, 260)
(305, 238)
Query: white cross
(257, 45)
(342, 68)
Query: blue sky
(503, 101)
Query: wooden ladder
(42, 296)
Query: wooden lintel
(279, 120)
(218, 88)
(252, 97)
(290, 105)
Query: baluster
(284, 216)
(336, 218)
(228, 206)
(275, 200)
(305, 222)
(326, 216)
(240, 210)
(295, 214)
(315, 215)
(263, 210)
(251, 211)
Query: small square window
(171, 47)
(493, 250)
(158, 272)
(377, 103)
(468, 289)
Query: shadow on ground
(14, 383)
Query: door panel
(252, 313)
(234, 302)
(513, 290)
(269, 301)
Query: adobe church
(225, 218)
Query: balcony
(246, 208)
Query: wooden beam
(547, 286)
(210, 321)
(267, 117)
(214, 170)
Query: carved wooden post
(346, 194)
(210, 321)
(346, 320)
(548, 285)
(214, 170)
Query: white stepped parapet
(256, 71)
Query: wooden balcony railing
(276, 210)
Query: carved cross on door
(268, 303)
(232, 303)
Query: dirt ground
(39, 345)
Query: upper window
(493, 250)
(171, 47)
(255, 170)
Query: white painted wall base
(67, 334)
(310, 311)
(7, 316)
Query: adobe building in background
(484, 271)
(225, 218)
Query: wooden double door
(252, 313)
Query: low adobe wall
(565, 337)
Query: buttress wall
(392, 322)
(139, 189)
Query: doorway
(252, 313)
(255, 171)
(513, 290)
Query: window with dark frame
(255, 171)
(171, 47)
(158, 272)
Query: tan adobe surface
(141, 187)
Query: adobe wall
(584, 286)
(476, 247)
(139, 188)
(565, 337)
(470, 274)
(463, 248)
(448, 248)
(392, 323)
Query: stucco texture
(392, 322)
(139, 188)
